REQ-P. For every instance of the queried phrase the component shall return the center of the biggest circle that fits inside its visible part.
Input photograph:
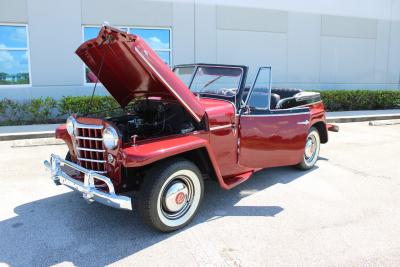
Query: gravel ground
(346, 211)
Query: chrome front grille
(90, 150)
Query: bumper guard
(87, 188)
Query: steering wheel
(228, 91)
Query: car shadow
(64, 228)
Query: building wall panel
(251, 19)
(255, 49)
(304, 47)
(13, 11)
(347, 60)
(349, 27)
(127, 12)
(55, 33)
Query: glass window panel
(14, 67)
(155, 38)
(164, 55)
(185, 74)
(90, 33)
(13, 37)
(217, 81)
(260, 97)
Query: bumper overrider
(87, 188)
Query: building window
(14, 55)
(159, 39)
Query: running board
(236, 180)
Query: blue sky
(155, 38)
(13, 61)
(13, 37)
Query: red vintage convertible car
(178, 127)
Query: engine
(150, 119)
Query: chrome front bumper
(88, 189)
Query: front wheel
(170, 195)
(311, 150)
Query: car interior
(281, 98)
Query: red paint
(122, 57)
(271, 141)
(180, 198)
(236, 146)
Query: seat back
(260, 100)
(285, 92)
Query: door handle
(303, 122)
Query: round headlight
(110, 138)
(70, 125)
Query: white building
(310, 44)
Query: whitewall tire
(311, 150)
(170, 195)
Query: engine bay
(151, 119)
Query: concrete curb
(25, 135)
(345, 119)
(385, 122)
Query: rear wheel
(170, 195)
(311, 150)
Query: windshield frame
(196, 67)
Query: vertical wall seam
(194, 32)
(389, 47)
(320, 49)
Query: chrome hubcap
(177, 198)
(310, 148)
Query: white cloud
(11, 64)
(6, 60)
(156, 43)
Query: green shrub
(41, 110)
(81, 105)
(341, 100)
(37, 110)
(48, 110)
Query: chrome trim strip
(303, 122)
(91, 160)
(88, 126)
(89, 138)
(102, 172)
(90, 149)
(275, 115)
(167, 84)
(215, 128)
(88, 187)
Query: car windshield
(216, 80)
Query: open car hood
(129, 68)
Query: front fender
(62, 133)
(147, 153)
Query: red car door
(270, 137)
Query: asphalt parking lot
(346, 211)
